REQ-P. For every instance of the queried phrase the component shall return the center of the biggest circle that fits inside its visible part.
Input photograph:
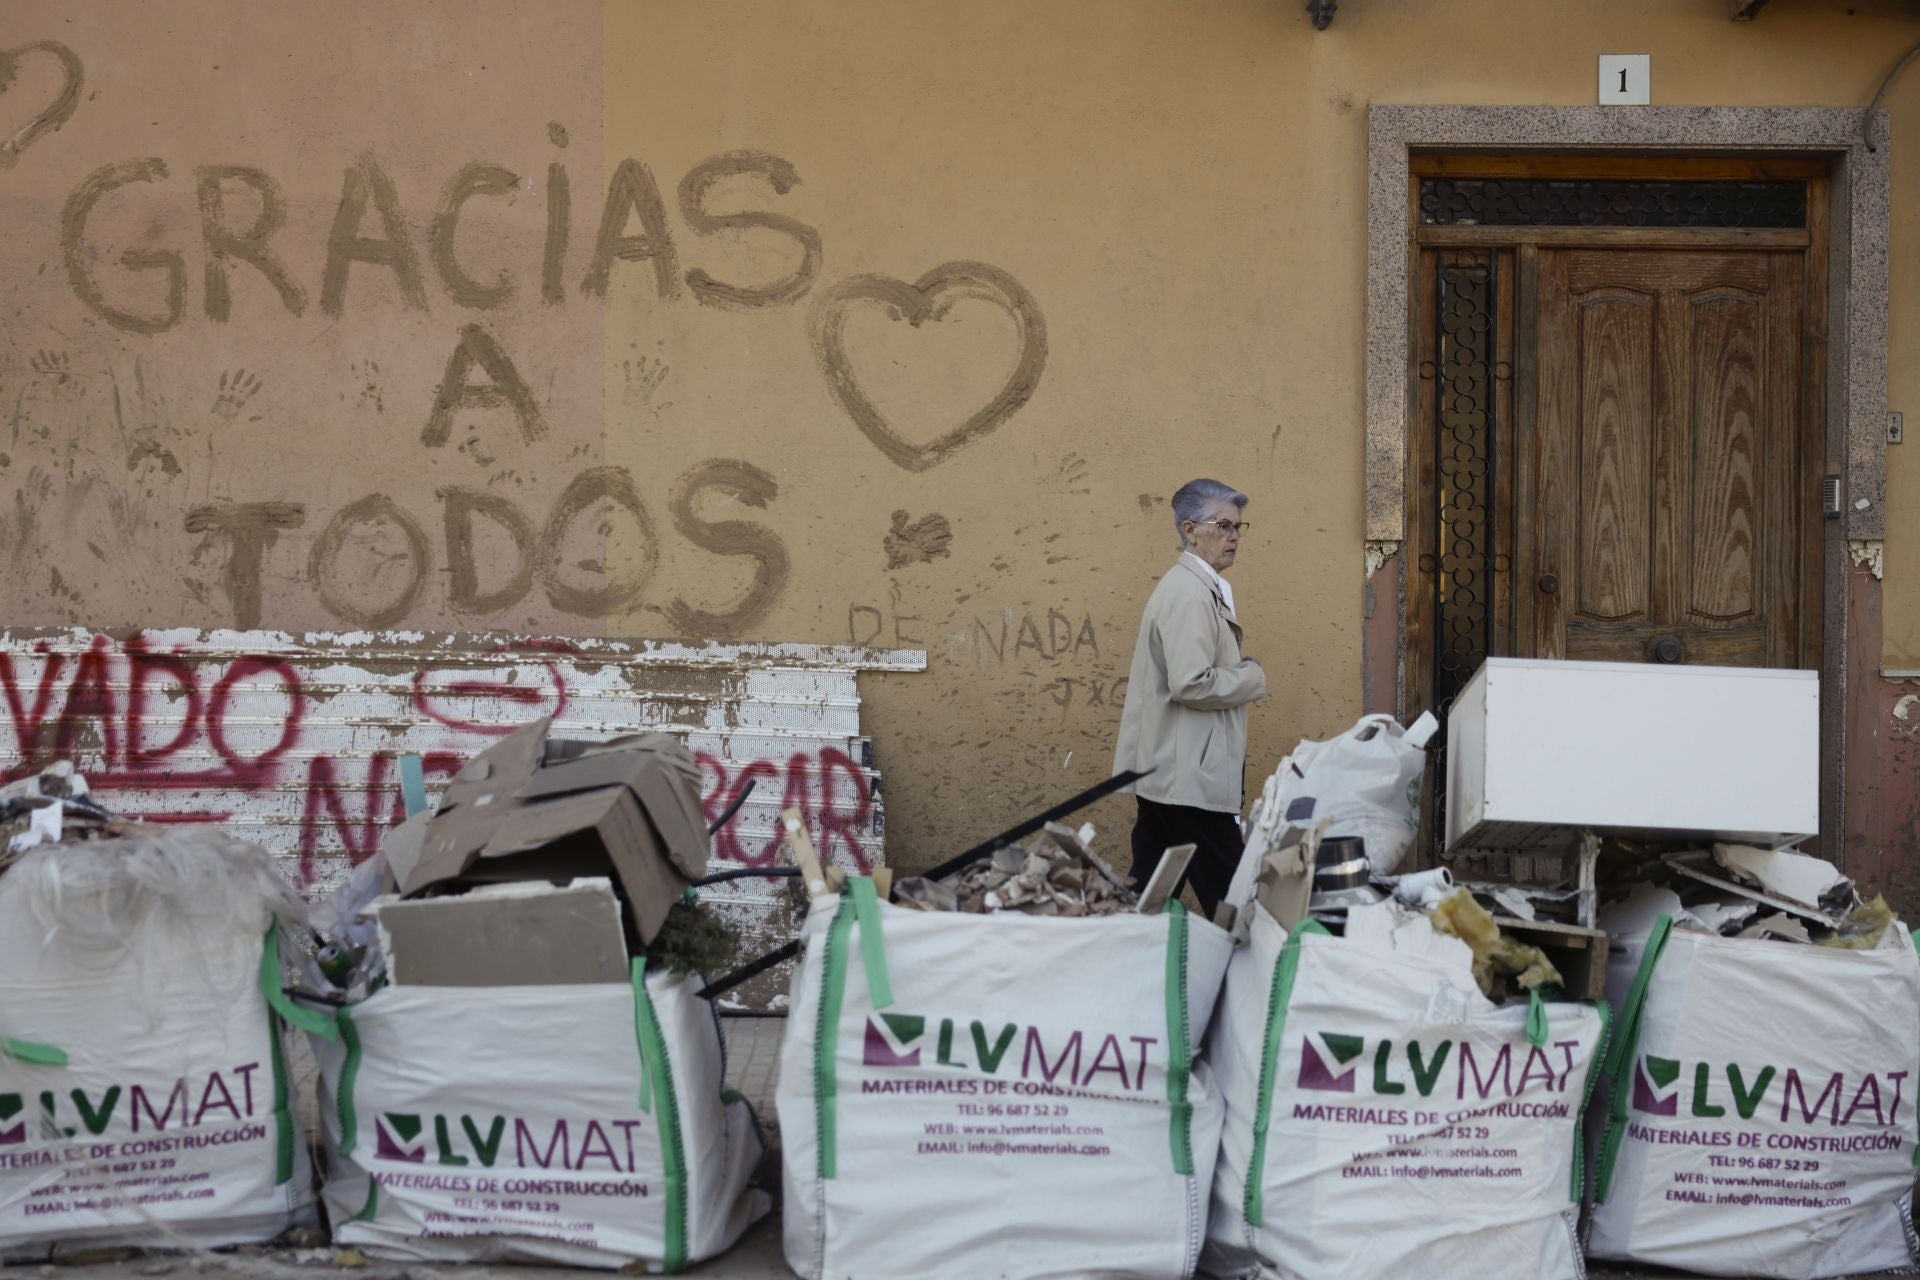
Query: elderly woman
(1187, 698)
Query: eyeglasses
(1230, 526)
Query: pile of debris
(1054, 874)
(135, 963)
(52, 807)
(547, 862)
(1744, 891)
(1306, 875)
(537, 928)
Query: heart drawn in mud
(930, 297)
(55, 113)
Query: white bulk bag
(577, 1125)
(1385, 1119)
(144, 1091)
(1760, 1117)
(997, 1095)
(1364, 783)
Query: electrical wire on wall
(1866, 121)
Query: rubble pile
(134, 964)
(539, 926)
(1745, 891)
(547, 862)
(52, 807)
(1054, 874)
(1306, 875)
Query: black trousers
(1216, 835)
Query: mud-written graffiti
(241, 211)
(918, 542)
(58, 110)
(296, 743)
(370, 228)
(984, 640)
(1088, 691)
(1048, 637)
(373, 558)
(931, 297)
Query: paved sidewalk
(753, 1065)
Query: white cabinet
(1538, 750)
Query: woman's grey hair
(1191, 500)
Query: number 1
(1623, 79)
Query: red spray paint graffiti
(277, 744)
(810, 787)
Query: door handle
(1548, 584)
(1667, 649)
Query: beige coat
(1187, 696)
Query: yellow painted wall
(1174, 191)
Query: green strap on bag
(297, 1016)
(1621, 1057)
(282, 1009)
(349, 1117)
(1605, 1011)
(826, 1044)
(657, 1065)
(860, 904)
(31, 1053)
(1179, 1051)
(1285, 966)
(349, 1070)
(873, 944)
(1537, 1028)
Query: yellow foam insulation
(1864, 926)
(1495, 955)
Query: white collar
(1219, 583)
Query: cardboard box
(529, 934)
(527, 809)
(1284, 884)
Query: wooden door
(1663, 501)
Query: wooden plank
(1697, 238)
(1597, 166)
(1580, 954)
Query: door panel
(1613, 523)
(1661, 486)
(1728, 331)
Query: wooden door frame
(1849, 384)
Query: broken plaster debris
(1379, 551)
(1868, 554)
(1054, 874)
(1740, 891)
(52, 807)
(1700, 867)
(1810, 882)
